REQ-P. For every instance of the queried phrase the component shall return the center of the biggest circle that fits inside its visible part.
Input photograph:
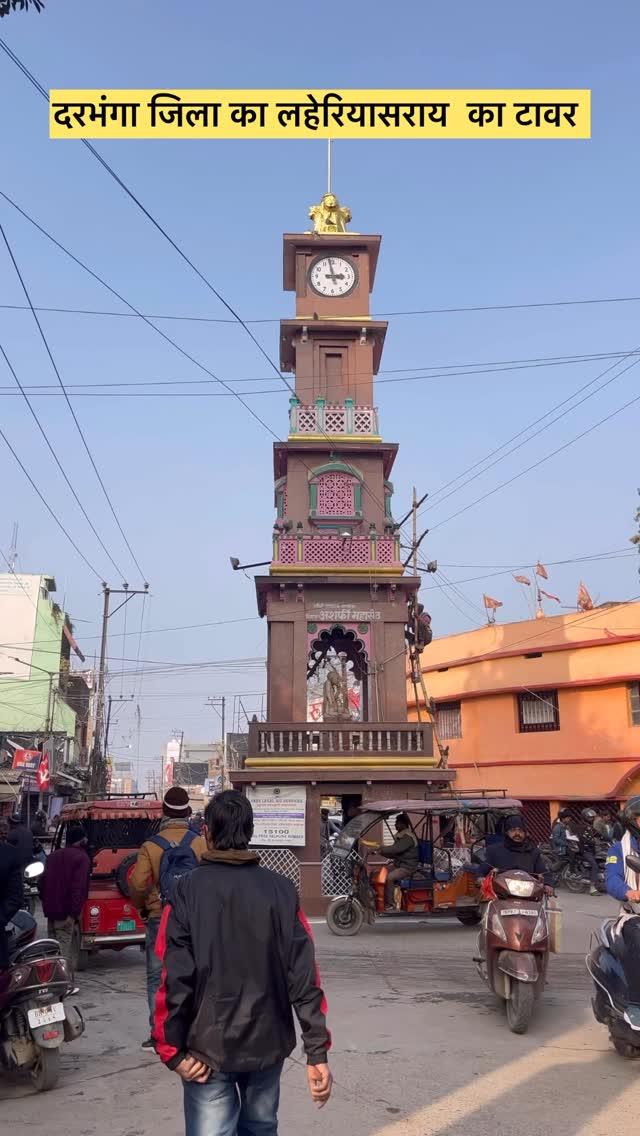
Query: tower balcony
(335, 744)
(316, 554)
(334, 420)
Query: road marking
(464, 1102)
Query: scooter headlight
(521, 888)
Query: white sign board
(279, 814)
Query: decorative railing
(338, 738)
(337, 551)
(332, 418)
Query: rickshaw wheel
(344, 917)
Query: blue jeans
(154, 965)
(234, 1104)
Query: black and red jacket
(237, 956)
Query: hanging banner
(27, 759)
(279, 813)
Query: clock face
(333, 276)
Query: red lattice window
(335, 495)
(288, 550)
(386, 551)
(334, 550)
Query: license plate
(518, 911)
(45, 1015)
(126, 925)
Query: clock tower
(336, 597)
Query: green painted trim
(336, 467)
(313, 497)
(357, 499)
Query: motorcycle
(35, 1017)
(614, 965)
(32, 874)
(514, 943)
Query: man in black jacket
(237, 956)
(517, 852)
(11, 891)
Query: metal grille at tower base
(338, 552)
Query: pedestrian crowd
(230, 960)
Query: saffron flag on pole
(523, 580)
(542, 571)
(549, 596)
(584, 601)
(490, 603)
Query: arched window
(335, 490)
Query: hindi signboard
(279, 813)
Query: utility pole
(218, 702)
(98, 752)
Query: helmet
(589, 815)
(630, 814)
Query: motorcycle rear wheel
(343, 917)
(46, 1071)
(520, 1006)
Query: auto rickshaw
(116, 826)
(452, 831)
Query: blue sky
(463, 224)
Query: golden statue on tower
(330, 216)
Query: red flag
(542, 571)
(43, 776)
(490, 603)
(523, 580)
(584, 601)
(549, 596)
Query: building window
(634, 699)
(449, 720)
(538, 710)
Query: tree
(8, 6)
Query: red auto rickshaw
(116, 826)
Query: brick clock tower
(336, 595)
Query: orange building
(548, 709)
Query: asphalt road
(420, 1048)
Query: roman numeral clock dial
(332, 276)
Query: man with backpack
(162, 860)
(238, 962)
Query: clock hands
(331, 275)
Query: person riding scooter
(620, 881)
(517, 852)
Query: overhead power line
(48, 506)
(40, 228)
(23, 394)
(534, 465)
(68, 401)
(122, 388)
(190, 318)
